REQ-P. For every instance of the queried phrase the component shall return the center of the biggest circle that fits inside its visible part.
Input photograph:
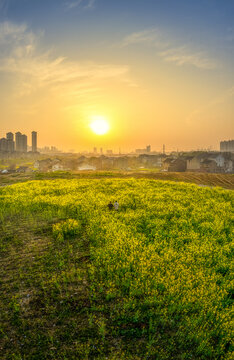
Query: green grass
(151, 281)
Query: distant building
(21, 142)
(24, 142)
(3, 144)
(43, 165)
(148, 160)
(174, 165)
(143, 151)
(210, 166)
(86, 167)
(121, 162)
(10, 142)
(10, 136)
(227, 146)
(166, 163)
(34, 141)
(109, 152)
(57, 167)
(10, 146)
(211, 162)
(148, 148)
(178, 165)
(18, 146)
(107, 162)
(194, 162)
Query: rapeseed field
(152, 280)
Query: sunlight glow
(99, 125)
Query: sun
(99, 125)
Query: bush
(66, 229)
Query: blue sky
(161, 51)
(214, 15)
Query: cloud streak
(16, 39)
(20, 55)
(84, 4)
(180, 55)
(148, 36)
(184, 56)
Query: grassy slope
(51, 303)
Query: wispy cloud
(84, 4)
(151, 37)
(148, 36)
(20, 55)
(179, 55)
(184, 56)
(16, 39)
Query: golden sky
(160, 74)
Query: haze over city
(118, 74)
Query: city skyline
(18, 142)
(224, 145)
(160, 72)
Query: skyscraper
(18, 146)
(21, 142)
(24, 142)
(3, 144)
(10, 142)
(34, 141)
(10, 136)
(227, 146)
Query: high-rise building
(21, 142)
(227, 146)
(10, 142)
(18, 146)
(10, 136)
(10, 145)
(24, 142)
(3, 144)
(34, 141)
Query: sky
(160, 71)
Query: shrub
(66, 229)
